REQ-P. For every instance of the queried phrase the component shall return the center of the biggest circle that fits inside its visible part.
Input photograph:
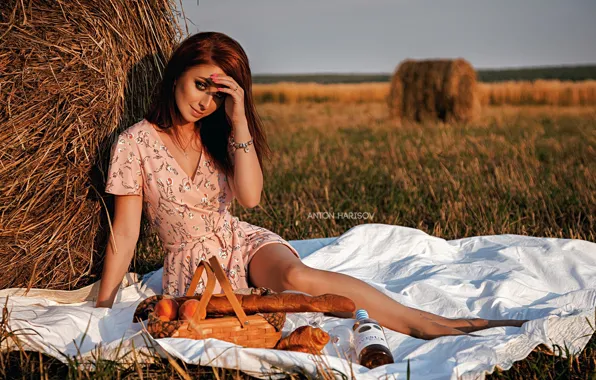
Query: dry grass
(540, 92)
(543, 92)
(293, 92)
(517, 170)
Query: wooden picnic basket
(261, 330)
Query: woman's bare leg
(389, 312)
(275, 266)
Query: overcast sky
(373, 36)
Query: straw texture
(73, 75)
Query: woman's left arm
(247, 181)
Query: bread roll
(304, 339)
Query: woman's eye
(202, 86)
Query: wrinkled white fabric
(550, 281)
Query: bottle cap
(361, 314)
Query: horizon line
(562, 66)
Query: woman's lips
(195, 113)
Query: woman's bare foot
(506, 322)
(475, 324)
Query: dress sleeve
(124, 172)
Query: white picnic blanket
(550, 281)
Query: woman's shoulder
(135, 135)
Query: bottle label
(367, 334)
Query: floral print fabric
(191, 217)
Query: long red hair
(217, 49)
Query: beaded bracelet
(240, 145)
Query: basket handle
(196, 278)
(201, 312)
(214, 272)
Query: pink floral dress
(191, 218)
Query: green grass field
(528, 171)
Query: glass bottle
(372, 349)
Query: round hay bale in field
(396, 91)
(430, 90)
(74, 75)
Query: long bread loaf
(288, 302)
(340, 306)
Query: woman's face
(196, 95)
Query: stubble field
(516, 170)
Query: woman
(200, 145)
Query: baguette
(286, 302)
(218, 305)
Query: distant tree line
(564, 73)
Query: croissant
(304, 339)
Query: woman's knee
(274, 266)
(298, 276)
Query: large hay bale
(74, 75)
(430, 90)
